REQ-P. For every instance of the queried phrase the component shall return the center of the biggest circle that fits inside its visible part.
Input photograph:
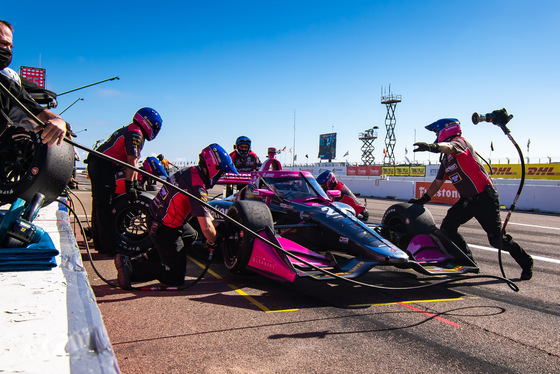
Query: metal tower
(390, 102)
(367, 148)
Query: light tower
(390, 102)
(367, 148)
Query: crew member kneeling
(169, 230)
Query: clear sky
(219, 69)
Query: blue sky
(219, 69)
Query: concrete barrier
(537, 195)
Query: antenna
(294, 148)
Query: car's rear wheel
(28, 166)
(238, 245)
(402, 221)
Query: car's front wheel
(238, 244)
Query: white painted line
(540, 227)
(541, 258)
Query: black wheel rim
(16, 158)
(132, 225)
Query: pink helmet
(446, 128)
(217, 161)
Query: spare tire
(28, 166)
(131, 224)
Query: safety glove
(421, 147)
(131, 192)
(220, 237)
(423, 200)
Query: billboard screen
(327, 146)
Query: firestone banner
(447, 194)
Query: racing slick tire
(402, 221)
(28, 166)
(238, 244)
(130, 224)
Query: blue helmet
(327, 180)
(243, 140)
(445, 128)
(217, 161)
(149, 120)
(153, 166)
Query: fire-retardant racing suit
(124, 142)
(169, 229)
(245, 164)
(478, 199)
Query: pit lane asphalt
(250, 324)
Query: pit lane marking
(541, 258)
(407, 302)
(430, 315)
(239, 291)
(539, 227)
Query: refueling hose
(248, 230)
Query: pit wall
(539, 195)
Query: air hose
(500, 118)
(246, 229)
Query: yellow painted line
(266, 310)
(411, 302)
(239, 291)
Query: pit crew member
(169, 230)
(243, 158)
(55, 127)
(125, 144)
(478, 196)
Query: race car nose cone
(386, 254)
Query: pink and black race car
(305, 231)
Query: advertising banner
(532, 171)
(364, 171)
(447, 194)
(417, 171)
(402, 171)
(388, 170)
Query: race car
(291, 228)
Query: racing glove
(423, 200)
(220, 237)
(421, 147)
(131, 192)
